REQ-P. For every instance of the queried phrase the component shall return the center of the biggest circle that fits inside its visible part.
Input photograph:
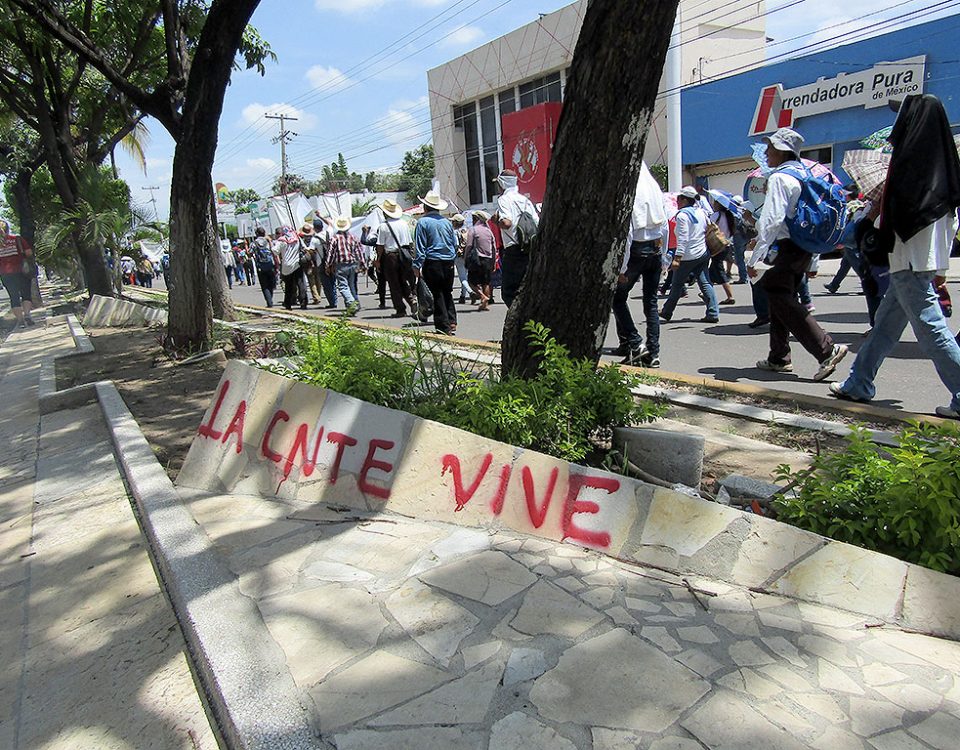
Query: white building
(470, 95)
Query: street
(727, 351)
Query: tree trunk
(592, 179)
(23, 205)
(192, 238)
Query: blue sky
(354, 73)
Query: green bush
(906, 504)
(568, 410)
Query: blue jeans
(698, 269)
(761, 306)
(329, 287)
(910, 299)
(739, 254)
(460, 264)
(345, 277)
(644, 264)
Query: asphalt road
(728, 350)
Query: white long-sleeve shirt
(648, 219)
(780, 204)
(691, 234)
(927, 250)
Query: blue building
(834, 98)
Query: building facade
(834, 98)
(498, 105)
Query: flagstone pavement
(410, 634)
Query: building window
(465, 119)
(540, 90)
(823, 155)
(491, 145)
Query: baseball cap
(785, 139)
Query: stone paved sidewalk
(409, 634)
(92, 656)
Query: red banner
(528, 137)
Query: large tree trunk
(23, 205)
(192, 239)
(607, 110)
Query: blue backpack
(821, 218)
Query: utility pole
(283, 138)
(153, 200)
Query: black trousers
(295, 289)
(438, 276)
(513, 264)
(398, 281)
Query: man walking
(393, 240)
(921, 194)
(344, 260)
(267, 263)
(791, 264)
(692, 257)
(642, 260)
(436, 245)
(288, 248)
(511, 205)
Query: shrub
(568, 410)
(906, 504)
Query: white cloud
(327, 78)
(404, 121)
(463, 36)
(262, 163)
(253, 114)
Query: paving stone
(726, 722)
(642, 605)
(836, 618)
(911, 697)
(681, 609)
(897, 740)
(877, 674)
(321, 628)
(524, 664)
(577, 689)
(831, 677)
(745, 625)
(571, 584)
(348, 696)
(662, 638)
(785, 650)
(616, 739)
(769, 547)
(463, 701)
(772, 620)
(473, 655)
(671, 743)
(697, 634)
(826, 649)
(749, 682)
(837, 739)
(518, 731)
(561, 563)
(869, 717)
(431, 619)
(620, 616)
(422, 738)
(602, 578)
(699, 661)
(598, 597)
(548, 610)
(324, 570)
(683, 524)
(736, 601)
(749, 654)
(488, 577)
(786, 719)
(938, 652)
(822, 705)
(940, 731)
(786, 677)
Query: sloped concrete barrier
(268, 435)
(110, 312)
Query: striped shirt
(344, 249)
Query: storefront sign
(778, 107)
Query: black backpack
(527, 229)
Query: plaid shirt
(344, 248)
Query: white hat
(433, 200)
(748, 207)
(689, 192)
(391, 209)
(458, 218)
(785, 139)
(342, 223)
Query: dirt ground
(167, 401)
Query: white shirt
(648, 219)
(927, 250)
(783, 192)
(691, 235)
(385, 237)
(227, 257)
(289, 256)
(510, 205)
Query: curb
(241, 669)
(80, 338)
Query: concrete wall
(272, 436)
(111, 312)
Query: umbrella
(868, 168)
(724, 198)
(878, 140)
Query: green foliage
(242, 197)
(905, 504)
(659, 172)
(568, 410)
(362, 208)
(417, 170)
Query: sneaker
(633, 357)
(621, 351)
(650, 361)
(710, 320)
(831, 289)
(766, 364)
(664, 319)
(730, 301)
(830, 363)
(836, 389)
(947, 413)
(759, 323)
(28, 320)
(810, 307)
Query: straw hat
(391, 208)
(307, 229)
(482, 216)
(433, 200)
(458, 219)
(342, 223)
